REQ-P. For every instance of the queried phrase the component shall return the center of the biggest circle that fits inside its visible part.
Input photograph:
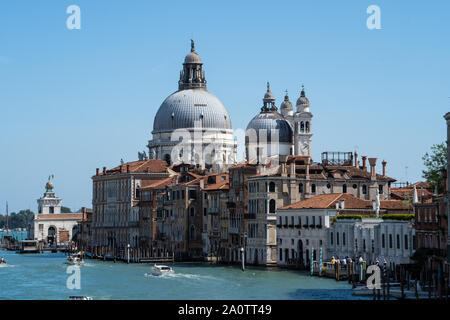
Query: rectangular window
(406, 242)
(398, 241)
(337, 238)
(331, 238)
(390, 241)
(382, 241)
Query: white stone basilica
(192, 125)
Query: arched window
(302, 126)
(344, 188)
(313, 188)
(406, 242)
(331, 238)
(300, 188)
(380, 188)
(307, 126)
(390, 241)
(272, 206)
(272, 186)
(398, 241)
(383, 241)
(281, 254)
(337, 238)
(343, 238)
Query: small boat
(75, 259)
(79, 298)
(159, 270)
(2, 260)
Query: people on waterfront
(333, 261)
(344, 261)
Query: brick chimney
(373, 165)
(444, 177)
(342, 204)
(292, 169)
(356, 160)
(96, 171)
(384, 167)
(364, 160)
(308, 162)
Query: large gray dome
(182, 108)
(270, 121)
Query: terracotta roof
(328, 201)
(144, 166)
(221, 185)
(157, 184)
(60, 216)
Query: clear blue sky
(75, 100)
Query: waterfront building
(215, 217)
(51, 226)
(447, 182)
(431, 225)
(192, 125)
(342, 225)
(115, 201)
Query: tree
(434, 163)
(65, 210)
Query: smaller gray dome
(270, 121)
(286, 104)
(192, 57)
(303, 100)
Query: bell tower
(302, 126)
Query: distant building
(447, 193)
(49, 224)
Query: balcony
(285, 225)
(291, 225)
(298, 226)
(279, 226)
(133, 223)
(305, 226)
(312, 226)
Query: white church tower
(302, 126)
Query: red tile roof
(60, 216)
(328, 201)
(144, 166)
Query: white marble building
(192, 125)
(49, 224)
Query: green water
(43, 276)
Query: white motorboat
(79, 298)
(159, 270)
(2, 260)
(75, 259)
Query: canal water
(43, 276)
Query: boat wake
(180, 276)
(7, 266)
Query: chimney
(356, 160)
(342, 204)
(96, 171)
(444, 177)
(128, 168)
(364, 158)
(337, 205)
(202, 183)
(373, 164)
(292, 169)
(308, 161)
(374, 205)
(104, 170)
(384, 167)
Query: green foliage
(353, 216)
(65, 210)
(397, 216)
(434, 163)
(17, 220)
